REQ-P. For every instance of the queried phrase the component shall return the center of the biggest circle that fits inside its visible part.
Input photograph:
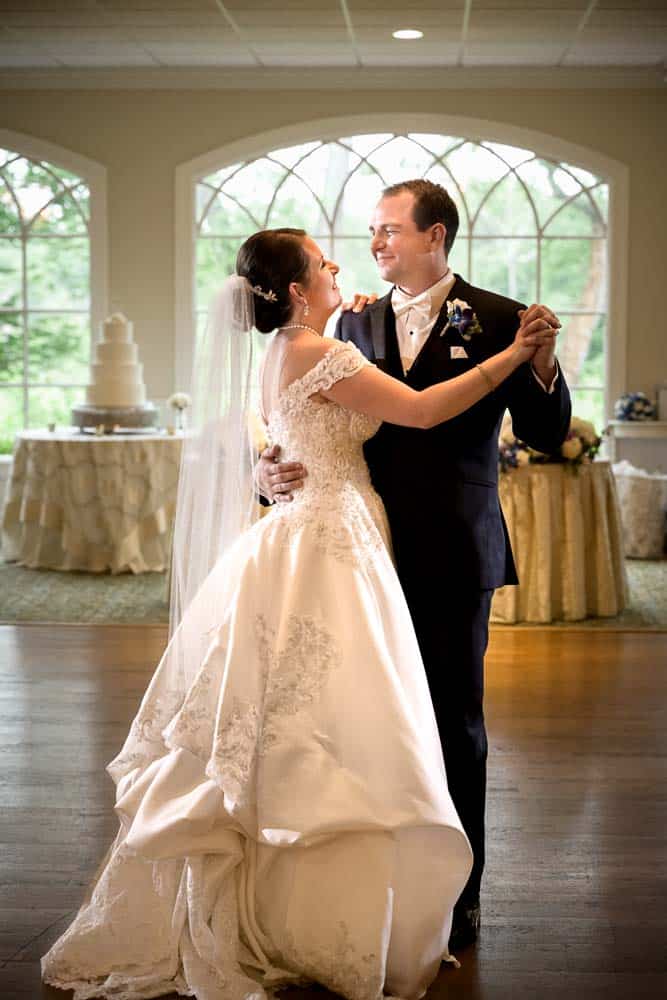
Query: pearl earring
(306, 309)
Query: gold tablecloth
(565, 529)
(75, 501)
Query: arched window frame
(95, 176)
(613, 172)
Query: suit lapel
(383, 335)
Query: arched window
(531, 227)
(46, 303)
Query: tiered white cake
(116, 395)
(116, 375)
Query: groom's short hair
(432, 204)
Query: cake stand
(109, 417)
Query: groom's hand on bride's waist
(277, 480)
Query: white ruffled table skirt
(98, 504)
(566, 535)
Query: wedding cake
(116, 375)
(116, 394)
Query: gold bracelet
(489, 381)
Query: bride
(282, 797)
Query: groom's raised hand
(359, 302)
(539, 318)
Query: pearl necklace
(301, 326)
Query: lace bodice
(337, 502)
(322, 435)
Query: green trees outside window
(45, 325)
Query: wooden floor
(574, 901)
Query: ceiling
(65, 35)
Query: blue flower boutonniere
(461, 317)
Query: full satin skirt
(283, 803)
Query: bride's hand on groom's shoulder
(277, 480)
(359, 302)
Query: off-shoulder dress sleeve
(341, 361)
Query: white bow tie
(421, 304)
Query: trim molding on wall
(544, 144)
(552, 78)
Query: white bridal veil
(216, 494)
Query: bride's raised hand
(359, 302)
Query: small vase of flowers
(179, 402)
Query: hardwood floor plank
(575, 887)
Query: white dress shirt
(416, 316)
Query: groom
(439, 486)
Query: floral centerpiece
(579, 447)
(634, 406)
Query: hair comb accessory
(270, 296)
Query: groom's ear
(438, 233)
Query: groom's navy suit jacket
(440, 486)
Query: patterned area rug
(36, 595)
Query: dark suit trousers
(452, 629)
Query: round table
(565, 528)
(78, 501)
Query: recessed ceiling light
(405, 34)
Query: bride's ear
(297, 294)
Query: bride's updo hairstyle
(271, 260)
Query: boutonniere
(461, 317)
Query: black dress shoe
(465, 925)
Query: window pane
(11, 271)
(507, 211)
(550, 187)
(9, 214)
(580, 217)
(439, 175)
(581, 349)
(589, 404)
(61, 216)
(11, 347)
(574, 274)
(476, 170)
(326, 170)
(295, 205)
(508, 266)
(216, 259)
(58, 273)
(458, 257)
(365, 144)
(47, 406)
(222, 216)
(358, 270)
(437, 144)
(58, 348)
(255, 185)
(11, 418)
(292, 154)
(361, 193)
(400, 159)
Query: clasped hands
(536, 335)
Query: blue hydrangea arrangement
(634, 406)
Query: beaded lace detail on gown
(275, 817)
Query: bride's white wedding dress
(287, 818)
